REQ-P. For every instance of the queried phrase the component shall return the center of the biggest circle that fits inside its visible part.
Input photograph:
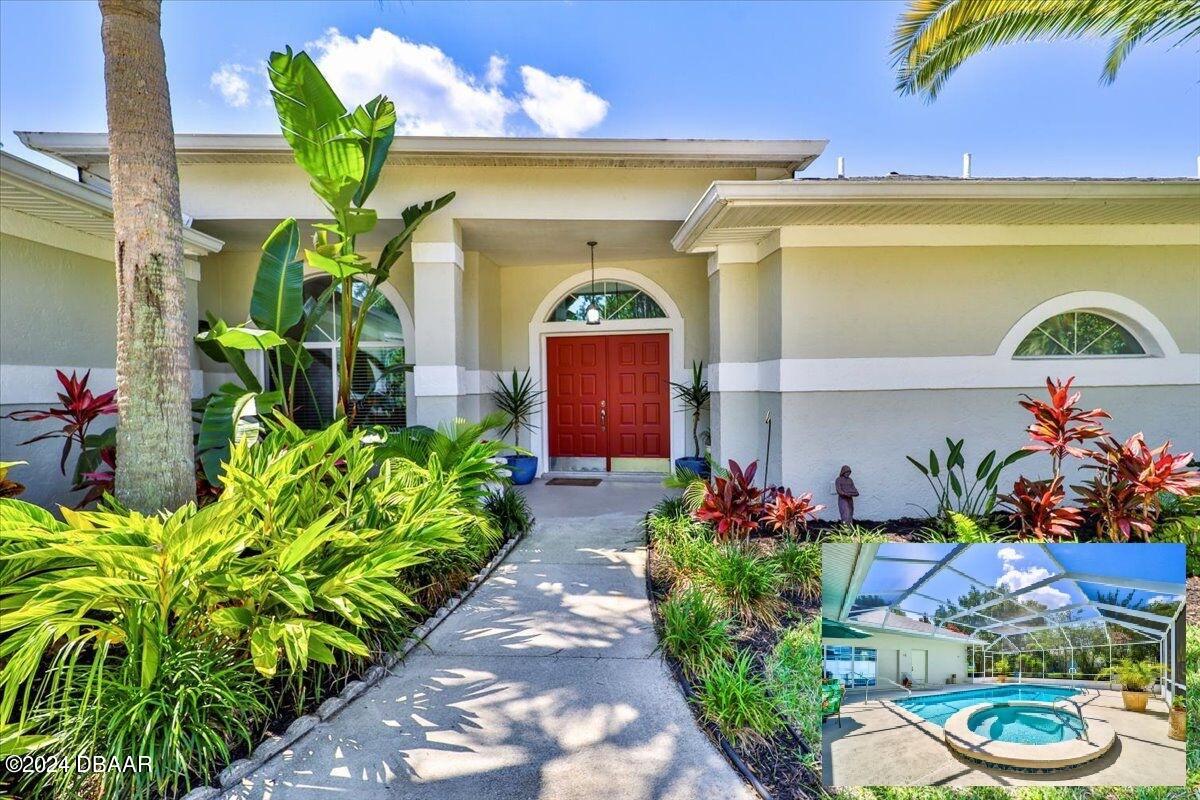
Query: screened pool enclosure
(1062, 612)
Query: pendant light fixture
(592, 315)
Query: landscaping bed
(755, 696)
(203, 636)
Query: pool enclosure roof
(1017, 597)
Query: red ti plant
(787, 514)
(732, 504)
(1059, 425)
(1036, 506)
(79, 409)
(1124, 495)
(99, 481)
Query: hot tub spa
(1027, 735)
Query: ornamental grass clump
(743, 582)
(510, 511)
(799, 566)
(695, 632)
(737, 700)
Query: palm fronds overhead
(934, 37)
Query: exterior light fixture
(592, 315)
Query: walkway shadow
(469, 732)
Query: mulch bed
(775, 762)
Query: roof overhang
(732, 212)
(89, 151)
(38, 192)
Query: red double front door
(608, 396)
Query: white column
(439, 377)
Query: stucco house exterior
(868, 317)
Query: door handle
(603, 415)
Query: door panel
(638, 394)
(608, 396)
(577, 377)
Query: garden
(181, 640)
(735, 577)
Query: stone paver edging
(301, 726)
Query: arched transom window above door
(380, 369)
(615, 299)
(1079, 334)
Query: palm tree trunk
(154, 435)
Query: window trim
(1150, 332)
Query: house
(868, 318)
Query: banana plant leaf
(376, 121)
(211, 345)
(278, 298)
(412, 217)
(231, 414)
(316, 125)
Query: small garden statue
(846, 492)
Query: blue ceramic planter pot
(523, 468)
(693, 464)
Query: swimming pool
(937, 708)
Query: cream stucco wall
(58, 310)
(276, 191)
(522, 289)
(853, 302)
(894, 656)
(874, 431)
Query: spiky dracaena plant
(695, 397)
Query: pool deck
(881, 744)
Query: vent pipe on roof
(966, 165)
(842, 166)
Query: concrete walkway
(543, 685)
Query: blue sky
(806, 70)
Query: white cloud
(230, 81)
(1013, 579)
(1007, 554)
(559, 104)
(433, 95)
(495, 71)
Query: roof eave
(82, 149)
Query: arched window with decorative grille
(615, 299)
(380, 368)
(1079, 334)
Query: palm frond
(933, 38)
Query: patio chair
(832, 692)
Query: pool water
(937, 708)
(1026, 724)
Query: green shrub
(732, 696)
(694, 630)
(670, 508)
(742, 582)
(318, 554)
(795, 671)
(799, 567)
(683, 558)
(854, 533)
(510, 511)
(955, 527)
(1193, 706)
(204, 698)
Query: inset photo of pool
(1003, 664)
